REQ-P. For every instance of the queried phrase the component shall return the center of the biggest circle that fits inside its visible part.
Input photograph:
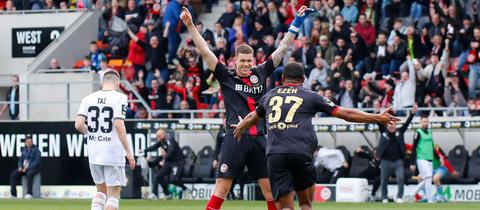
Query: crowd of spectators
(360, 54)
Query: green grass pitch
(65, 204)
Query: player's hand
(237, 133)
(186, 17)
(161, 163)
(303, 10)
(385, 118)
(131, 160)
(455, 174)
(214, 164)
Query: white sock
(429, 188)
(112, 203)
(419, 186)
(98, 201)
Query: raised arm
(354, 115)
(287, 40)
(200, 43)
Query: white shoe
(152, 197)
(12, 197)
(398, 200)
(28, 196)
(167, 197)
(385, 200)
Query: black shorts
(290, 172)
(235, 155)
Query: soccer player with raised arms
(289, 110)
(101, 118)
(242, 88)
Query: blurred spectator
(454, 94)
(433, 77)
(473, 60)
(398, 30)
(366, 30)
(330, 10)
(349, 11)
(157, 96)
(436, 26)
(341, 29)
(319, 75)
(403, 97)
(96, 56)
(172, 26)
(12, 98)
(155, 53)
(136, 53)
(226, 20)
(87, 63)
(371, 10)
(54, 64)
(358, 52)
(9, 6)
(184, 106)
(305, 54)
(219, 32)
(347, 97)
(369, 92)
(28, 165)
(397, 51)
(326, 50)
(134, 16)
(387, 100)
(206, 34)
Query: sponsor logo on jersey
(247, 89)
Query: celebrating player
(241, 89)
(104, 113)
(291, 139)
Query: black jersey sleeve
(221, 72)
(266, 68)
(324, 105)
(261, 112)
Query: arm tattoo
(282, 48)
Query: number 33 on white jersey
(100, 109)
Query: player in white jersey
(101, 117)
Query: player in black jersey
(288, 110)
(242, 87)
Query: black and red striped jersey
(241, 94)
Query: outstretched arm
(200, 43)
(250, 120)
(354, 115)
(287, 40)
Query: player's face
(244, 64)
(424, 122)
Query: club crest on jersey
(253, 79)
(224, 168)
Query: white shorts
(110, 175)
(425, 168)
